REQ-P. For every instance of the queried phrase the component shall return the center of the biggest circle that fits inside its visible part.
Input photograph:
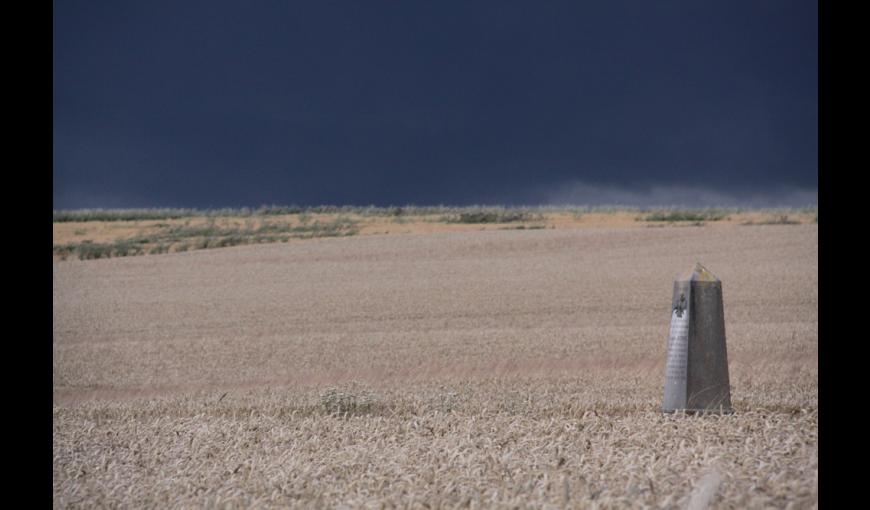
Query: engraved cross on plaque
(681, 305)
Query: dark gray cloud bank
(223, 103)
(675, 195)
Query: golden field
(450, 366)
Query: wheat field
(465, 369)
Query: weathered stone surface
(696, 374)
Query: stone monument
(696, 374)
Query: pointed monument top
(699, 274)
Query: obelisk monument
(696, 373)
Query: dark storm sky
(231, 103)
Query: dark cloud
(671, 195)
(226, 104)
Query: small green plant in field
(124, 249)
(781, 219)
(680, 224)
(525, 227)
(686, 215)
(64, 250)
(491, 216)
(345, 403)
(89, 250)
(159, 248)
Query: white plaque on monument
(678, 354)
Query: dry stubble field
(514, 368)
